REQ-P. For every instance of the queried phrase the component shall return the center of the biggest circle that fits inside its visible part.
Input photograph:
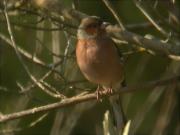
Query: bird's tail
(118, 112)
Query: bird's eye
(93, 26)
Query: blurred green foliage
(139, 68)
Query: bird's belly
(100, 69)
(94, 73)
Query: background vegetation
(40, 67)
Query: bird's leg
(98, 92)
(109, 90)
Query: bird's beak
(104, 25)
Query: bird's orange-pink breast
(99, 61)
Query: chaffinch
(99, 61)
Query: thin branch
(32, 27)
(51, 88)
(29, 87)
(110, 7)
(142, 25)
(29, 56)
(66, 51)
(60, 56)
(21, 60)
(170, 50)
(87, 97)
(18, 129)
(150, 18)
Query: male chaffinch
(99, 61)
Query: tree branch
(170, 50)
(58, 8)
(112, 10)
(83, 98)
(150, 18)
(39, 84)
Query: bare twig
(21, 60)
(110, 7)
(150, 18)
(142, 25)
(172, 51)
(66, 51)
(29, 56)
(29, 87)
(53, 89)
(92, 96)
(18, 129)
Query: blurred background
(46, 42)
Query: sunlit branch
(87, 97)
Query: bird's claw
(109, 91)
(100, 92)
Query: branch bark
(58, 8)
(84, 98)
(153, 44)
(170, 50)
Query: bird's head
(91, 27)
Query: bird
(99, 61)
